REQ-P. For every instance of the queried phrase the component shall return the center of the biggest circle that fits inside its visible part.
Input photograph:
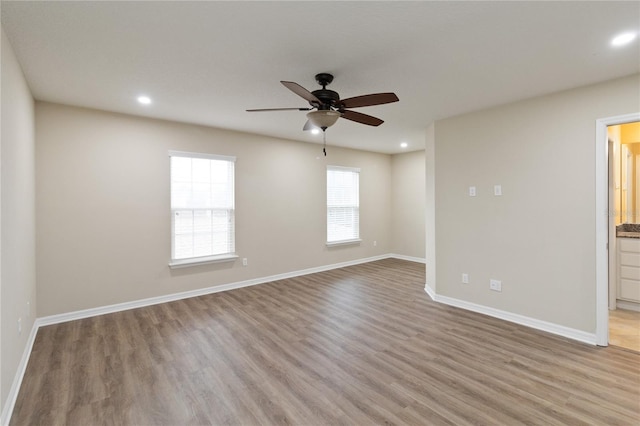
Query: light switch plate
(497, 190)
(465, 278)
(495, 285)
(472, 191)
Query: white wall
(17, 212)
(408, 204)
(539, 236)
(103, 217)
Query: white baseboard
(409, 258)
(630, 306)
(549, 327)
(86, 313)
(431, 292)
(17, 380)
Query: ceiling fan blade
(361, 118)
(301, 91)
(279, 109)
(369, 100)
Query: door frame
(602, 222)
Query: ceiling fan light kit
(323, 118)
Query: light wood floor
(360, 345)
(624, 329)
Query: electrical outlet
(375, 243)
(472, 191)
(245, 262)
(497, 190)
(495, 285)
(465, 278)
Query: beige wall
(630, 132)
(17, 248)
(408, 204)
(103, 217)
(630, 138)
(539, 236)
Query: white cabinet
(629, 269)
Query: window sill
(343, 242)
(195, 261)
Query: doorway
(604, 211)
(624, 228)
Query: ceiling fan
(327, 107)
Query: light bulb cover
(144, 100)
(624, 38)
(323, 118)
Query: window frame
(347, 241)
(213, 258)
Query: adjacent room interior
(624, 293)
(420, 240)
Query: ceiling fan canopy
(326, 106)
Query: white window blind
(343, 204)
(202, 205)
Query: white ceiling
(206, 62)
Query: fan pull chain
(324, 138)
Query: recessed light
(404, 145)
(622, 39)
(144, 100)
(315, 131)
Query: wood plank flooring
(624, 329)
(361, 345)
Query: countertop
(628, 230)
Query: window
(343, 205)
(202, 208)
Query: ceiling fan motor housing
(328, 98)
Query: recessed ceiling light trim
(623, 39)
(144, 100)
